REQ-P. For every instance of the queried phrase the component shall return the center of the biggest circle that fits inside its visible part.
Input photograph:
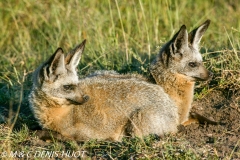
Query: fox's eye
(69, 87)
(192, 64)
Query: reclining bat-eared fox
(112, 106)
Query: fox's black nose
(86, 98)
(210, 74)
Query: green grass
(121, 35)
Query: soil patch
(220, 140)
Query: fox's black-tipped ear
(57, 65)
(73, 58)
(57, 54)
(195, 36)
(51, 68)
(180, 39)
(175, 47)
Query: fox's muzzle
(79, 101)
(205, 76)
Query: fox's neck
(48, 111)
(180, 90)
(46, 100)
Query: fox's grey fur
(115, 107)
(113, 74)
(53, 82)
(179, 65)
(119, 105)
(176, 68)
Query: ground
(219, 140)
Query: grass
(121, 35)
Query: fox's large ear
(49, 70)
(73, 58)
(195, 36)
(179, 42)
(57, 65)
(180, 39)
(54, 66)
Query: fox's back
(114, 101)
(126, 94)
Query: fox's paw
(181, 128)
(48, 135)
